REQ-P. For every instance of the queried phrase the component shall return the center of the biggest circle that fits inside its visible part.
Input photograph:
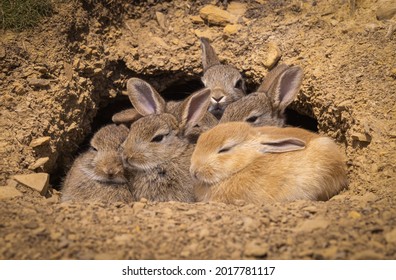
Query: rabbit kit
(219, 144)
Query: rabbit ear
(195, 107)
(144, 97)
(285, 88)
(126, 116)
(209, 57)
(282, 145)
(271, 77)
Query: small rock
(38, 82)
(329, 253)
(31, 225)
(39, 141)
(249, 224)
(68, 68)
(206, 33)
(386, 11)
(231, 29)
(273, 56)
(368, 197)
(196, 19)
(217, 16)
(354, 215)
(390, 237)
(365, 138)
(138, 206)
(9, 192)
(313, 224)
(367, 255)
(38, 163)
(237, 8)
(256, 248)
(311, 209)
(35, 181)
(162, 21)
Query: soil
(56, 78)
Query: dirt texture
(56, 77)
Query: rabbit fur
(157, 150)
(225, 81)
(98, 174)
(267, 105)
(176, 108)
(236, 161)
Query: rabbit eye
(251, 119)
(239, 84)
(94, 149)
(224, 150)
(158, 138)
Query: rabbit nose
(217, 99)
(110, 172)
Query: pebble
(256, 248)
(313, 224)
(9, 192)
(390, 237)
(237, 8)
(367, 255)
(196, 19)
(354, 215)
(38, 82)
(31, 225)
(68, 68)
(39, 141)
(273, 56)
(217, 16)
(38, 163)
(365, 138)
(206, 33)
(35, 181)
(161, 19)
(138, 206)
(231, 29)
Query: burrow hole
(176, 91)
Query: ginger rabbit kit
(218, 144)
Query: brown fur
(313, 169)
(98, 175)
(157, 150)
(175, 108)
(267, 105)
(225, 81)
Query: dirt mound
(57, 77)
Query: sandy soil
(55, 78)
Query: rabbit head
(103, 161)
(230, 147)
(267, 105)
(225, 82)
(127, 117)
(159, 136)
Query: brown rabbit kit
(155, 156)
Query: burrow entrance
(179, 90)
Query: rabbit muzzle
(217, 102)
